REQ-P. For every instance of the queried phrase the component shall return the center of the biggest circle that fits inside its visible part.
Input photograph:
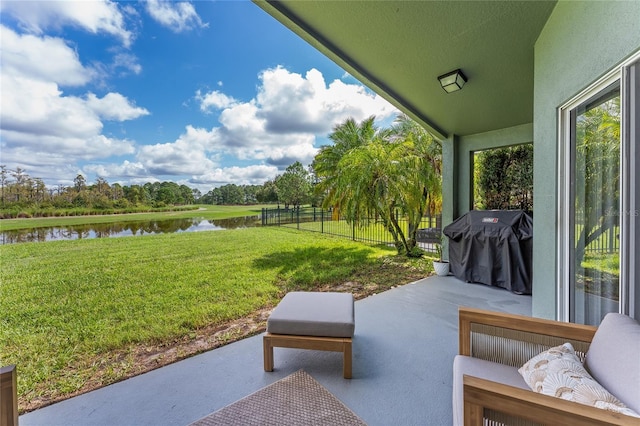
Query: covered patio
(524, 69)
(403, 350)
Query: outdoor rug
(297, 399)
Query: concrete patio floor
(403, 350)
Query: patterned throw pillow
(558, 372)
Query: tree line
(18, 190)
(293, 188)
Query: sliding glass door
(595, 234)
(597, 214)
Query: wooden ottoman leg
(347, 359)
(268, 353)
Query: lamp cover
(452, 81)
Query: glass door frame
(626, 75)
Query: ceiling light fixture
(452, 81)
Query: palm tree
(345, 137)
(423, 160)
(371, 174)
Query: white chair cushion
(613, 358)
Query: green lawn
(72, 310)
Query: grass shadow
(311, 267)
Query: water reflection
(124, 229)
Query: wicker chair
(512, 340)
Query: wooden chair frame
(8, 396)
(484, 396)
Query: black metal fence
(608, 240)
(328, 221)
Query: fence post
(353, 231)
(8, 396)
(298, 217)
(612, 239)
(322, 221)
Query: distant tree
(293, 186)
(168, 193)
(267, 193)
(102, 187)
(19, 184)
(135, 194)
(186, 195)
(40, 190)
(3, 182)
(233, 194)
(117, 192)
(251, 193)
(150, 191)
(79, 183)
(196, 194)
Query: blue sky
(204, 93)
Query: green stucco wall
(581, 42)
(449, 181)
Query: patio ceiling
(399, 48)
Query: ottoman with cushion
(312, 320)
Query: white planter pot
(441, 268)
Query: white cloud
(127, 61)
(98, 16)
(42, 58)
(114, 106)
(281, 124)
(42, 150)
(37, 108)
(187, 155)
(214, 100)
(126, 169)
(43, 130)
(177, 17)
(241, 127)
(250, 175)
(289, 102)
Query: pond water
(125, 229)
